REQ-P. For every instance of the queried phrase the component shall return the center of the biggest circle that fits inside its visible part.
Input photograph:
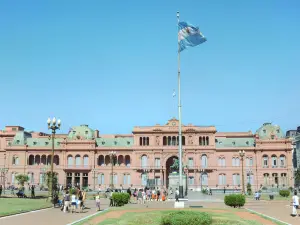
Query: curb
(84, 218)
(267, 216)
(26, 212)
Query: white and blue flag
(189, 36)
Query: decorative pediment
(173, 122)
(190, 130)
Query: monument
(174, 176)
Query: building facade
(211, 158)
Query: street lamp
(52, 125)
(242, 154)
(112, 155)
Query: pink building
(212, 158)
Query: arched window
(70, 160)
(48, 159)
(144, 161)
(207, 140)
(86, 160)
(265, 161)
(204, 161)
(31, 160)
(183, 140)
(274, 161)
(236, 179)
(282, 160)
(266, 179)
(147, 140)
(56, 160)
(37, 160)
(44, 160)
(107, 160)
(100, 178)
(204, 179)
(164, 140)
(126, 179)
(141, 141)
(127, 160)
(100, 160)
(169, 140)
(249, 161)
(144, 141)
(77, 160)
(222, 179)
(222, 162)
(235, 161)
(200, 141)
(203, 141)
(15, 160)
(173, 140)
(120, 160)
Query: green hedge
(284, 193)
(120, 199)
(186, 217)
(235, 200)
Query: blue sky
(113, 64)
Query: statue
(175, 167)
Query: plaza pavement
(276, 209)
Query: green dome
(81, 132)
(269, 131)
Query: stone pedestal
(174, 181)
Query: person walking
(140, 197)
(97, 198)
(158, 195)
(80, 201)
(66, 201)
(295, 201)
(177, 195)
(32, 191)
(73, 203)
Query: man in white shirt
(295, 204)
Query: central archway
(169, 163)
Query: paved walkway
(52, 216)
(280, 210)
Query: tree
(297, 176)
(22, 178)
(55, 180)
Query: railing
(78, 167)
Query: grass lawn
(10, 206)
(226, 217)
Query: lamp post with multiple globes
(242, 154)
(53, 125)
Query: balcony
(78, 167)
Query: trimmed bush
(235, 200)
(186, 217)
(284, 193)
(120, 199)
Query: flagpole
(179, 117)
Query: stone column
(73, 179)
(165, 178)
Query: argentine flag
(188, 35)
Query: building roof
(267, 130)
(223, 142)
(81, 132)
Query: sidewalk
(53, 215)
(280, 210)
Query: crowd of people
(71, 202)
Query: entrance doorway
(169, 163)
(85, 180)
(69, 179)
(77, 179)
